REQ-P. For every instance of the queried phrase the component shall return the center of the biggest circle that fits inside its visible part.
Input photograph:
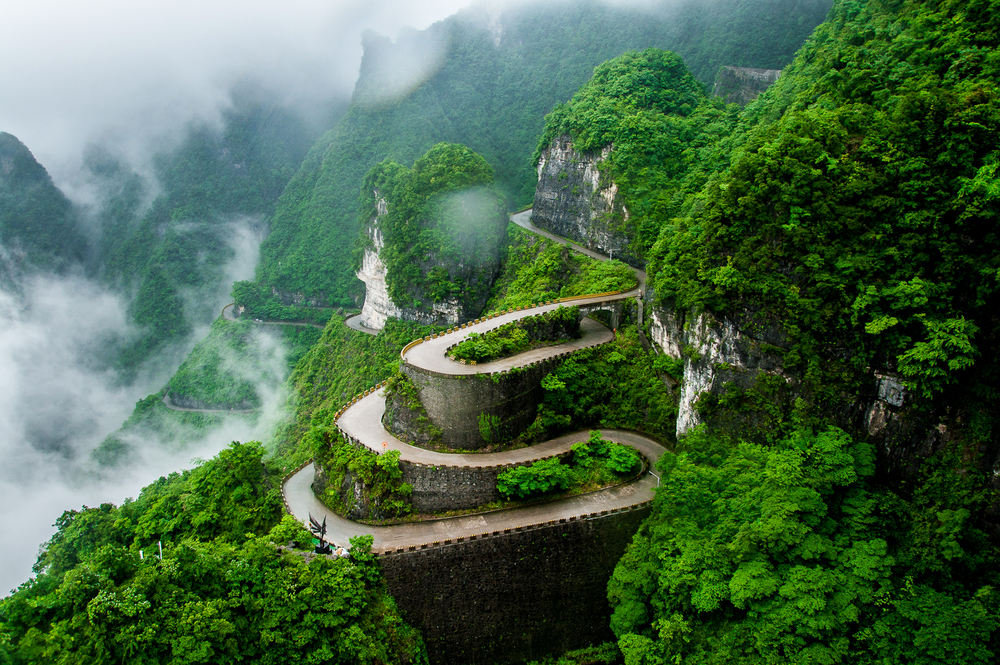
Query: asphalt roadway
(363, 421)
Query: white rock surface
(379, 305)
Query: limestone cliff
(741, 85)
(574, 199)
(735, 380)
(474, 268)
(734, 373)
(299, 298)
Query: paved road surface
(363, 421)
(523, 219)
(227, 314)
(354, 323)
(431, 354)
(302, 501)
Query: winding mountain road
(173, 407)
(362, 421)
(227, 314)
(354, 323)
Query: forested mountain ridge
(843, 224)
(487, 83)
(218, 185)
(839, 269)
(35, 217)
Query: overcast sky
(126, 70)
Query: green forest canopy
(492, 95)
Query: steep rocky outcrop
(434, 239)
(735, 380)
(734, 373)
(379, 306)
(299, 298)
(741, 85)
(574, 199)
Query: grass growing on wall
(385, 495)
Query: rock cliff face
(575, 200)
(735, 380)
(734, 374)
(741, 85)
(379, 306)
(299, 299)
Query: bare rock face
(724, 360)
(298, 298)
(741, 85)
(735, 380)
(575, 200)
(379, 306)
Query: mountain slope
(35, 217)
(486, 82)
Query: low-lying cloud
(125, 74)
(59, 399)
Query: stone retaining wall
(443, 488)
(513, 595)
(458, 404)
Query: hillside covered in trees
(487, 84)
(844, 223)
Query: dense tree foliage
(487, 84)
(858, 210)
(259, 303)
(787, 553)
(537, 269)
(35, 217)
(221, 593)
(663, 131)
(854, 214)
(171, 254)
(615, 385)
(593, 464)
(228, 367)
(441, 225)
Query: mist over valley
(512, 331)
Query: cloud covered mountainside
(487, 84)
(843, 226)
